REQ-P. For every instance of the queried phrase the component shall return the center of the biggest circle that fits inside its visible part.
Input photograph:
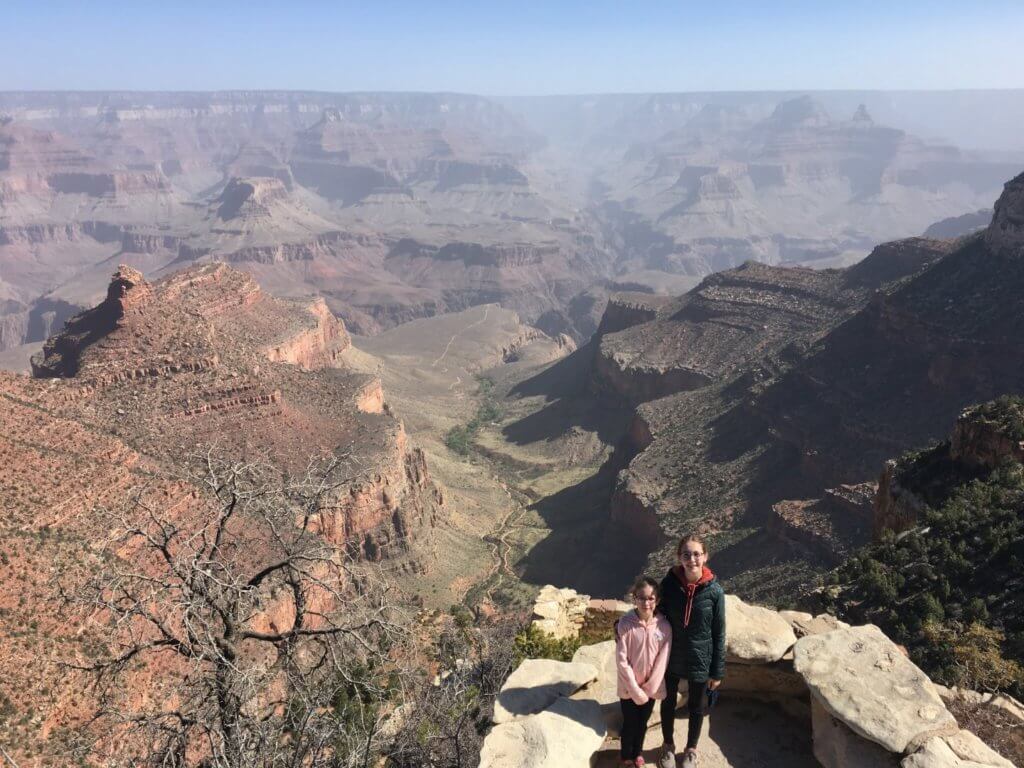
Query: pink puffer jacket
(641, 655)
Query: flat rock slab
(536, 684)
(739, 733)
(862, 678)
(565, 735)
(755, 635)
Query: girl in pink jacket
(642, 643)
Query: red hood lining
(705, 576)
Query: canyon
(700, 313)
(398, 206)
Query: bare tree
(448, 716)
(274, 646)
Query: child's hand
(641, 701)
(713, 684)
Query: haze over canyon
(519, 341)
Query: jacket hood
(706, 576)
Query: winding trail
(448, 346)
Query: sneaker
(639, 762)
(690, 758)
(668, 759)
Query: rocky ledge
(846, 697)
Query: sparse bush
(533, 643)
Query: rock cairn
(865, 702)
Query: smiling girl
(694, 603)
(642, 642)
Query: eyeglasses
(687, 554)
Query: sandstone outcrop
(126, 397)
(565, 735)
(205, 355)
(755, 635)
(865, 703)
(560, 612)
(860, 677)
(536, 684)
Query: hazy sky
(554, 46)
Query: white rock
(936, 753)
(565, 735)
(969, 747)
(863, 679)
(536, 684)
(755, 635)
(836, 746)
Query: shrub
(533, 643)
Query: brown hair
(645, 581)
(694, 538)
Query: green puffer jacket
(697, 615)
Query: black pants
(634, 727)
(694, 703)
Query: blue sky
(511, 48)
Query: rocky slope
(767, 397)
(125, 398)
(946, 584)
(206, 357)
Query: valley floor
(527, 504)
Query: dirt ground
(739, 733)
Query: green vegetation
(532, 643)
(949, 589)
(1006, 414)
(460, 439)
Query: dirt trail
(448, 346)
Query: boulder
(604, 689)
(836, 746)
(755, 635)
(565, 735)
(804, 624)
(936, 753)
(862, 678)
(536, 684)
(560, 612)
(969, 747)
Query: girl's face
(645, 601)
(691, 558)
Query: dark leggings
(694, 703)
(634, 727)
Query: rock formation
(768, 397)
(846, 694)
(202, 360)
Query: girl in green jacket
(694, 603)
